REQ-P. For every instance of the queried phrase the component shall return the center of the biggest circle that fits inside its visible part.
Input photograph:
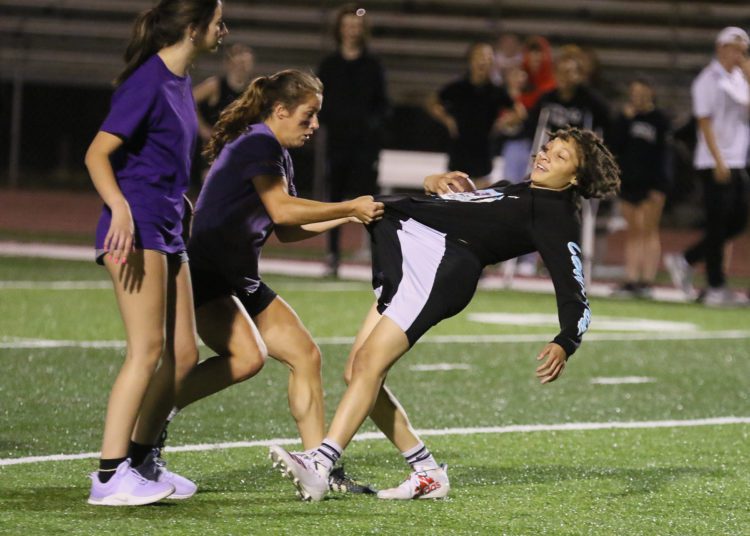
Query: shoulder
(258, 141)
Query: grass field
(645, 433)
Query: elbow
(280, 217)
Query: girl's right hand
(366, 209)
(120, 238)
(448, 183)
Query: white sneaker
(127, 488)
(306, 472)
(723, 297)
(426, 484)
(680, 272)
(155, 468)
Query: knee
(147, 352)
(364, 366)
(186, 359)
(304, 360)
(249, 363)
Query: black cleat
(340, 482)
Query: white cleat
(425, 484)
(308, 475)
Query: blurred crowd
(513, 92)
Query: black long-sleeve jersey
(505, 221)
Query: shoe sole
(281, 461)
(124, 499)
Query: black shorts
(209, 286)
(420, 277)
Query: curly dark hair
(598, 173)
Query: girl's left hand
(551, 369)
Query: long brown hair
(289, 88)
(164, 25)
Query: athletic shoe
(308, 475)
(127, 488)
(680, 272)
(154, 468)
(339, 481)
(425, 484)
(626, 290)
(723, 297)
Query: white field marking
(512, 429)
(322, 286)
(622, 379)
(599, 323)
(16, 343)
(440, 367)
(55, 285)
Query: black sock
(138, 452)
(107, 468)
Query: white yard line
(21, 343)
(317, 269)
(513, 429)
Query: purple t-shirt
(153, 111)
(231, 224)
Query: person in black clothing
(469, 109)
(353, 116)
(572, 103)
(639, 139)
(428, 253)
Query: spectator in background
(516, 145)
(508, 55)
(540, 70)
(721, 96)
(571, 103)
(639, 140)
(217, 92)
(469, 108)
(353, 116)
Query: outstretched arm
(285, 209)
(295, 233)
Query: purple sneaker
(154, 468)
(127, 488)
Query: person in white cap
(721, 97)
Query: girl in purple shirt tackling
(248, 194)
(139, 163)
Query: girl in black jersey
(639, 140)
(428, 253)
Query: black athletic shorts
(209, 285)
(420, 277)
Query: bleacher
(422, 42)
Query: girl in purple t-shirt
(139, 163)
(248, 194)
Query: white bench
(407, 169)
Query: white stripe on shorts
(422, 249)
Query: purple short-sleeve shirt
(231, 223)
(153, 111)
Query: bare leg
(652, 209)
(387, 413)
(633, 241)
(289, 341)
(381, 349)
(179, 358)
(140, 287)
(227, 329)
